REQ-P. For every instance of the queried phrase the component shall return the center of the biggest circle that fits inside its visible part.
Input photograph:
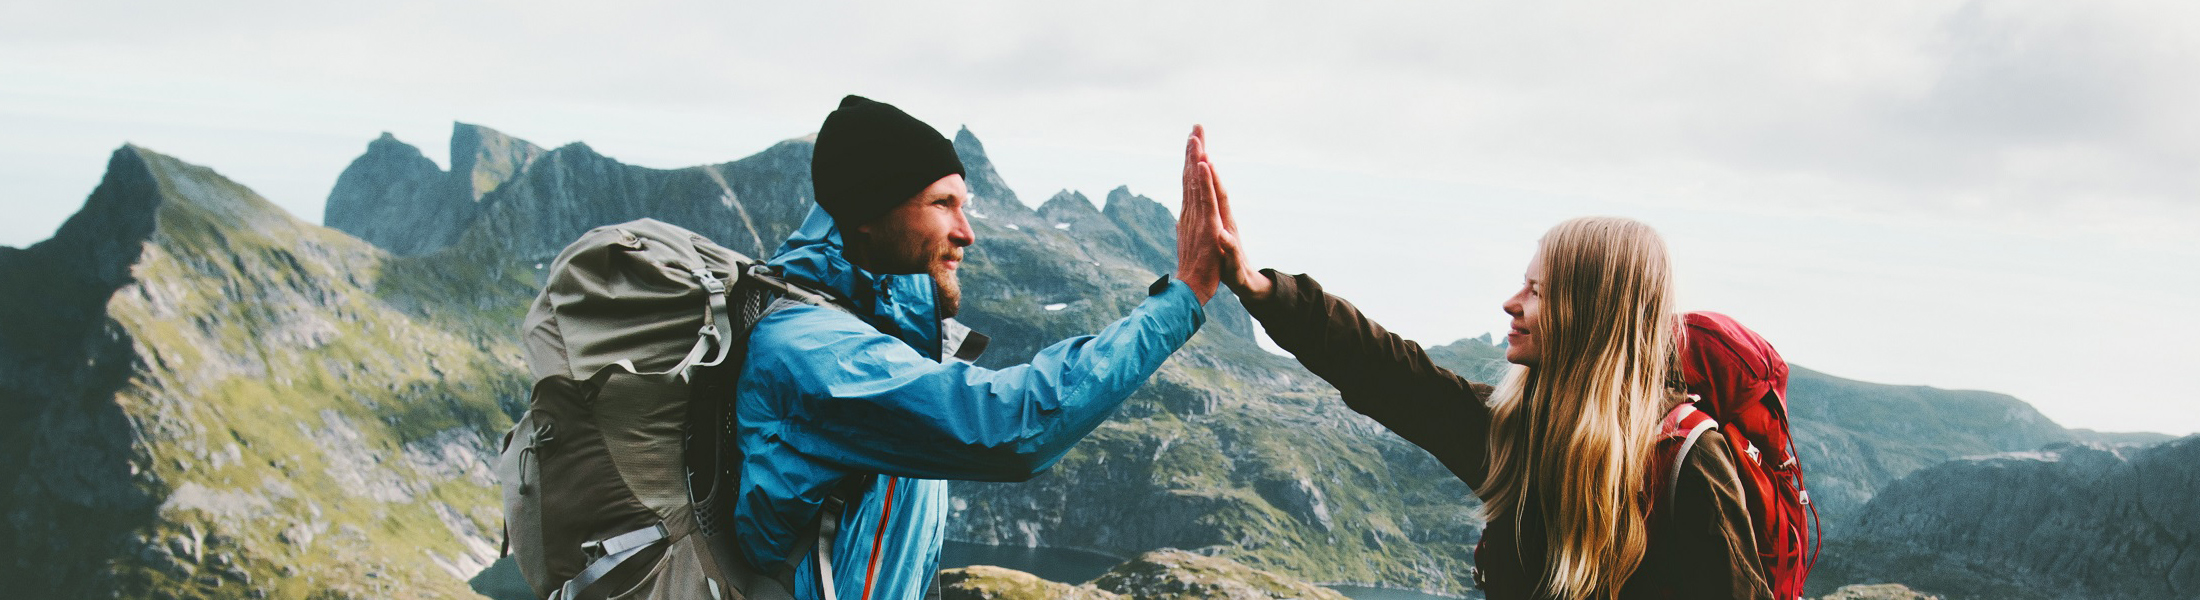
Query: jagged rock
(1301, 498)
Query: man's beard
(946, 292)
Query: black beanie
(871, 157)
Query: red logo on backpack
(1739, 385)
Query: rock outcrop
(984, 582)
(1166, 574)
(1171, 574)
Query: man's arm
(867, 402)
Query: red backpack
(1738, 385)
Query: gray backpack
(619, 479)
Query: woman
(1560, 452)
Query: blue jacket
(826, 396)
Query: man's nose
(962, 235)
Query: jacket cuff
(1170, 290)
(1283, 293)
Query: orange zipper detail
(878, 538)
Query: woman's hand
(1198, 260)
(1199, 178)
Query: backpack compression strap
(717, 326)
(609, 555)
(776, 583)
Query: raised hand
(1198, 260)
(1235, 270)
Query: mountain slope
(248, 418)
(2072, 520)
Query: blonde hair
(1573, 435)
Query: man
(873, 395)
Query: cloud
(2021, 104)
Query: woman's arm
(1379, 373)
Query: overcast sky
(1996, 195)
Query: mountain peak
(1068, 202)
(965, 139)
(396, 198)
(992, 192)
(145, 194)
(487, 158)
(388, 145)
(105, 237)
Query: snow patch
(1056, 306)
(1062, 226)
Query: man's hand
(1198, 223)
(1234, 269)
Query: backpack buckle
(710, 282)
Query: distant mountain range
(202, 396)
(2067, 521)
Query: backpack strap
(609, 553)
(1686, 424)
(959, 342)
(775, 283)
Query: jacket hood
(898, 305)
